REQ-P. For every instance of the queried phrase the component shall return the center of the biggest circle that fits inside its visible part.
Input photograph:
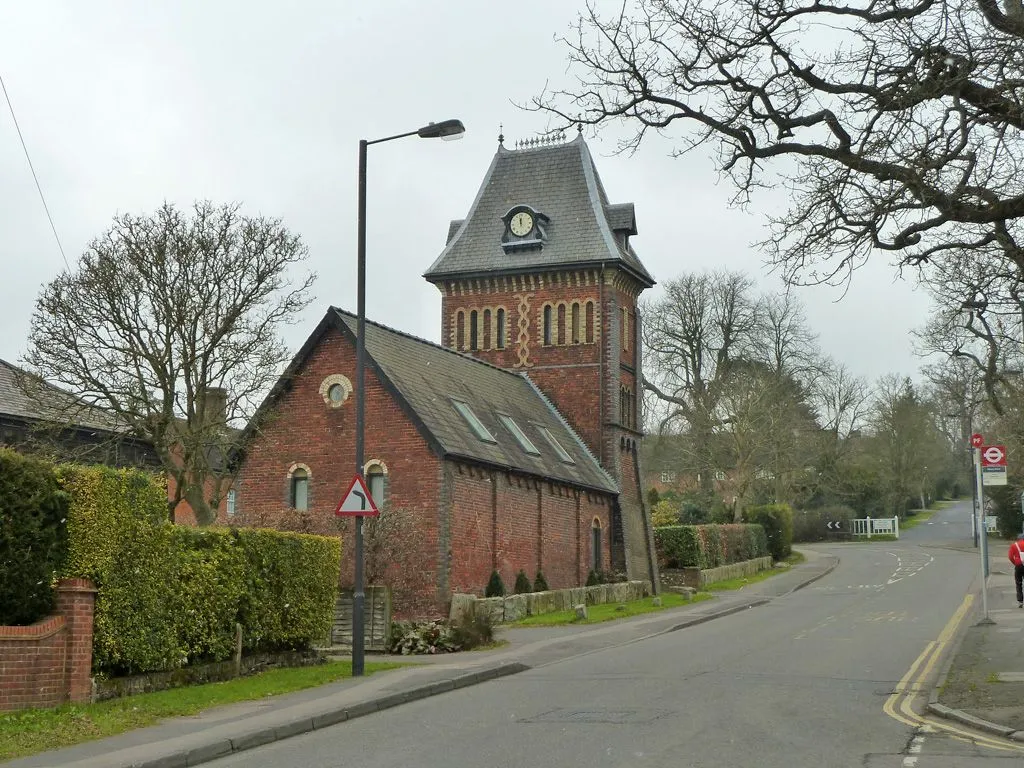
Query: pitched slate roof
(426, 379)
(559, 181)
(29, 398)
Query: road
(821, 677)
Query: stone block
(462, 608)
(515, 607)
(656, 602)
(621, 592)
(577, 595)
(493, 608)
(597, 594)
(563, 599)
(581, 612)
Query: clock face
(521, 224)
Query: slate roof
(19, 399)
(425, 378)
(559, 181)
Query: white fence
(866, 526)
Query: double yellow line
(899, 705)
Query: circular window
(335, 390)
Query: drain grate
(599, 716)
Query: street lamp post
(448, 129)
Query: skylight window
(562, 453)
(524, 442)
(474, 423)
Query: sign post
(977, 440)
(358, 503)
(989, 462)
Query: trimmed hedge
(33, 537)
(709, 546)
(777, 521)
(170, 595)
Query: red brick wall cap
(75, 585)
(38, 631)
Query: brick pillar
(76, 600)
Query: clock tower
(541, 278)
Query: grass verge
(610, 612)
(37, 730)
(726, 585)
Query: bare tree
(692, 335)
(170, 323)
(896, 125)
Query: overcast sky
(124, 105)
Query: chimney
(215, 405)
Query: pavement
(983, 686)
(230, 729)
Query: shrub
(33, 537)
(811, 525)
(495, 586)
(709, 546)
(168, 595)
(540, 584)
(523, 584)
(664, 513)
(777, 521)
(593, 579)
(416, 637)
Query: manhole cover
(602, 716)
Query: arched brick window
(547, 324)
(298, 487)
(474, 330)
(561, 324)
(460, 330)
(488, 330)
(590, 322)
(595, 544)
(500, 332)
(576, 322)
(376, 473)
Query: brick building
(516, 440)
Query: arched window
(487, 329)
(590, 322)
(595, 544)
(561, 324)
(473, 330)
(576, 322)
(298, 489)
(500, 333)
(547, 324)
(625, 328)
(460, 330)
(376, 473)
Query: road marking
(909, 762)
(899, 703)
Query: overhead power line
(34, 176)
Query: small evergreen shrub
(540, 584)
(593, 579)
(522, 585)
(777, 521)
(495, 586)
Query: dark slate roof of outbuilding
(427, 377)
(559, 181)
(19, 399)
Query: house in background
(38, 417)
(514, 443)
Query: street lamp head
(449, 130)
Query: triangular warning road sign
(357, 501)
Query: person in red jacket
(1016, 554)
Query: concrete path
(240, 727)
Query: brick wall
(509, 522)
(49, 662)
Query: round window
(336, 393)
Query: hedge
(709, 546)
(33, 537)
(170, 595)
(777, 521)
(812, 524)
